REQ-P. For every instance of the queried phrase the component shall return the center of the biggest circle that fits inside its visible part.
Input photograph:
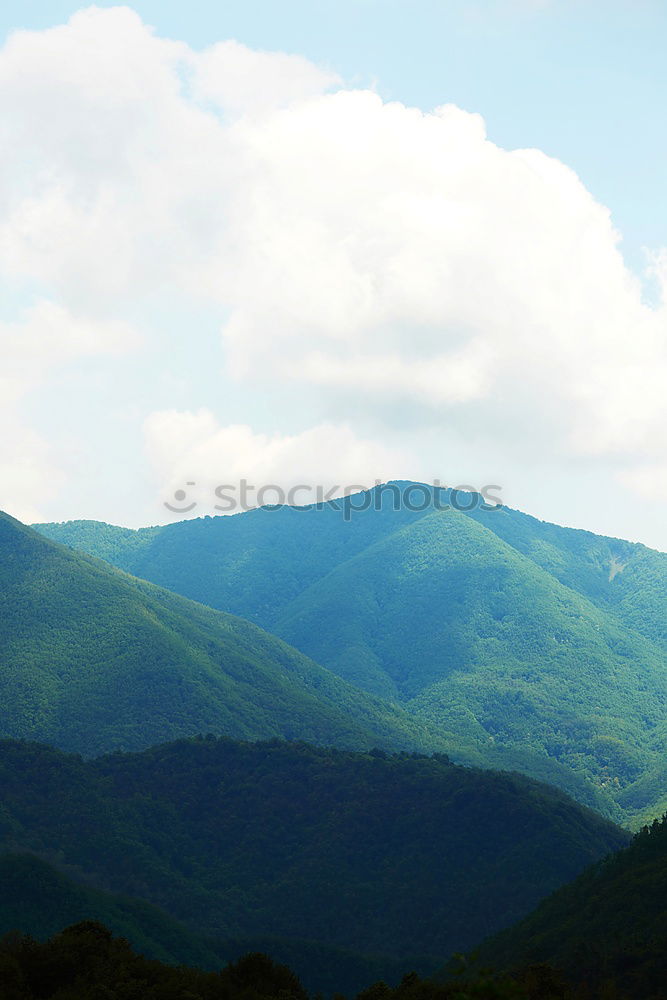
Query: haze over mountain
(396, 856)
(539, 647)
(94, 660)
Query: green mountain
(38, 899)
(448, 619)
(254, 564)
(94, 660)
(532, 646)
(623, 578)
(608, 928)
(388, 856)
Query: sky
(328, 244)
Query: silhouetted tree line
(86, 962)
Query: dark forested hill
(377, 855)
(538, 647)
(94, 660)
(38, 899)
(608, 928)
(86, 961)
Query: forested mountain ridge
(538, 647)
(396, 856)
(42, 898)
(86, 960)
(38, 899)
(627, 579)
(299, 545)
(95, 660)
(607, 927)
(448, 619)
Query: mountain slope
(40, 900)
(540, 648)
(233, 563)
(252, 564)
(37, 899)
(446, 617)
(396, 856)
(626, 579)
(607, 927)
(94, 660)
(86, 961)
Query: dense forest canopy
(609, 925)
(95, 660)
(401, 856)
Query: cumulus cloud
(418, 247)
(29, 476)
(245, 82)
(376, 252)
(193, 455)
(44, 338)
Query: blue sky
(205, 313)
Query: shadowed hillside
(607, 927)
(398, 856)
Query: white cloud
(47, 334)
(193, 453)
(44, 338)
(241, 81)
(649, 481)
(30, 479)
(381, 254)
(447, 379)
(423, 259)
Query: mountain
(38, 899)
(608, 928)
(86, 961)
(533, 646)
(94, 660)
(396, 856)
(296, 546)
(252, 564)
(446, 618)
